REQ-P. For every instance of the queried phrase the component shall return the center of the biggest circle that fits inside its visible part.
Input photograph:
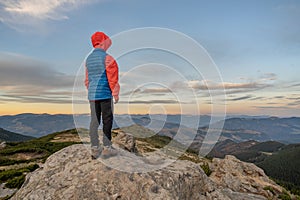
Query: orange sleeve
(112, 73)
(86, 80)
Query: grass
(269, 188)
(9, 174)
(285, 196)
(16, 182)
(294, 189)
(206, 169)
(14, 178)
(42, 148)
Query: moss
(192, 158)
(45, 149)
(285, 196)
(14, 178)
(16, 182)
(33, 167)
(271, 189)
(9, 174)
(206, 169)
(6, 161)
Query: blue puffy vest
(98, 83)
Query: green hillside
(32, 150)
(19, 158)
(284, 167)
(12, 137)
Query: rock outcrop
(2, 145)
(244, 177)
(4, 192)
(125, 141)
(71, 174)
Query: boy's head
(100, 40)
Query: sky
(254, 45)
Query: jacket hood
(100, 38)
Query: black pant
(98, 107)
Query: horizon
(253, 46)
(231, 115)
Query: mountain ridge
(8, 136)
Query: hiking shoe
(108, 151)
(95, 151)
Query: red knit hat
(100, 38)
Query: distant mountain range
(38, 125)
(273, 128)
(285, 130)
(238, 128)
(8, 136)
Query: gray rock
(125, 141)
(72, 174)
(2, 145)
(242, 196)
(6, 191)
(242, 177)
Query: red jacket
(100, 40)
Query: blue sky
(252, 42)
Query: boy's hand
(116, 99)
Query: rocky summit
(243, 177)
(71, 174)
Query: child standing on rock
(101, 81)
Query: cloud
(19, 14)
(258, 98)
(156, 90)
(291, 101)
(241, 98)
(279, 97)
(272, 103)
(18, 70)
(207, 85)
(294, 98)
(295, 103)
(295, 85)
(210, 88)
(268, 77)
(153, 102)
(272, 107)
(34, 99)
(24, 79)
(152, 91)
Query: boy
(101, 80)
